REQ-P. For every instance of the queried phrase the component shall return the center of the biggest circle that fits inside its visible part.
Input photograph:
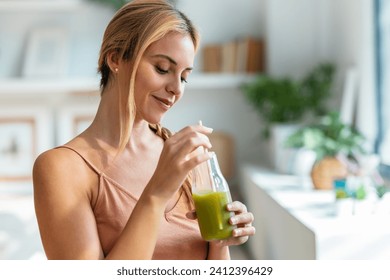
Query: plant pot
(303, 163)
(281, 157)
(325, 171)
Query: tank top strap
(88, 162)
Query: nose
(175, 86)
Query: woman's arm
(63, 206)
(217, 251)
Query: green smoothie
(213, 218)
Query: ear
(113, 61)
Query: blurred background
(49, 93)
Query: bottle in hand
(211, 195)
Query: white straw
(208, 166)
(200, 123)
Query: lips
(167, 103)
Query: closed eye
(160, 70)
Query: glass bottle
(211, 195)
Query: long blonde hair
(130, 32)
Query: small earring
(116, 70)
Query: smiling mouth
(165, 102)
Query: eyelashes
(163, 72)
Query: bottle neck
(214, 166)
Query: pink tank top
(178, 237)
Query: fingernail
(229, 207)
(237, 232)
(233, 221)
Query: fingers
(243, 220)
(244, 225)
(176, 160)
(247, 230)
(191, 137)
(192, 162)
(237, 207)
(242, 217)
(183, 146)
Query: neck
(106, 128)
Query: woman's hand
(243, 220)
(177, 159)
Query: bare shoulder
(56, 157)
(60, 166)
(58, 162)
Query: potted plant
(283, 103)
(287, 101)
(336, 145)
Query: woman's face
(162, 74)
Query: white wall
(297, 36)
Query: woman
(119, 190)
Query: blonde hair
(131, 31)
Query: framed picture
(74, 119)
(47, 53)
(25, 131)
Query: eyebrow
(171, 60)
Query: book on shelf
(244, 55)
(229, 57)
(212, 58)
(256, 56)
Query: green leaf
(328, 137)
(283, 100)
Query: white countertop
(301, 210)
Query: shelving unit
(17, 86)
(205, 81)
(198, 81)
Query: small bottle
(211, 195)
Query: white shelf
(47, 86)
(44, 5)
(218, 81)
(16, 86)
